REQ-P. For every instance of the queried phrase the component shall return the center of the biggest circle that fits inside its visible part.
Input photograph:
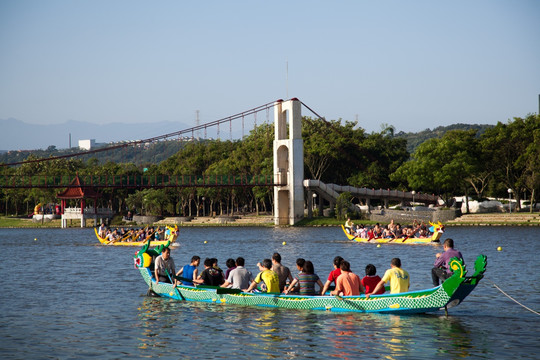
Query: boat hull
(450, 293)
(433, 240)
(153, 243)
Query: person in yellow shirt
(399, 279)
(269, 278)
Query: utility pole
(287, 79)
(197, 121)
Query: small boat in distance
(451, 293)
(437, 230)
(170, 238)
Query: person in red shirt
(370, 281)
(332, 277)
(347, 283)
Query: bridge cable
(153, 139)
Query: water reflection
(64, 295)
(345, 337)
(154, 316)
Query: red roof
(77, 190)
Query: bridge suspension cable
(191, 130)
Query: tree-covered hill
(415, 139)
(155, 153)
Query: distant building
(87, 144)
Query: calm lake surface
(64, 296)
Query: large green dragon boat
(451, 293)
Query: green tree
(343, 203)
(513, 153)
(441, 166)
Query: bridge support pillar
(288, 163)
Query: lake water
(64, 296)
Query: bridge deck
(135, 181)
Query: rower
(164, 266)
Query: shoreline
(490, 219)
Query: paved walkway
(497, 219)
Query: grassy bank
(519, 219)
(14, 222)
(26, 223)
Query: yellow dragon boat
(437, 230)
(128, 240)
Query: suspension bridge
(290, 187)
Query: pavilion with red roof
(77, 190)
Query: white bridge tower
(288, 163)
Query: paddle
(122, 239)
(112, 241)
(177, 291)
(219, 289)
(183, 279)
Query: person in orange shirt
(347, 283)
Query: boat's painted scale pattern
(451, 293)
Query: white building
(87, 144)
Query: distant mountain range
(18, 135)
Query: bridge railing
(135, 181)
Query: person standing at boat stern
(164, 263)
(269, 278)
(441, 269)
(399, 279)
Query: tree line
(478, 162)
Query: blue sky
(410, 64)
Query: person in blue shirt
(190, 271)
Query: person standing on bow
(348, 226)
(441, 269)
